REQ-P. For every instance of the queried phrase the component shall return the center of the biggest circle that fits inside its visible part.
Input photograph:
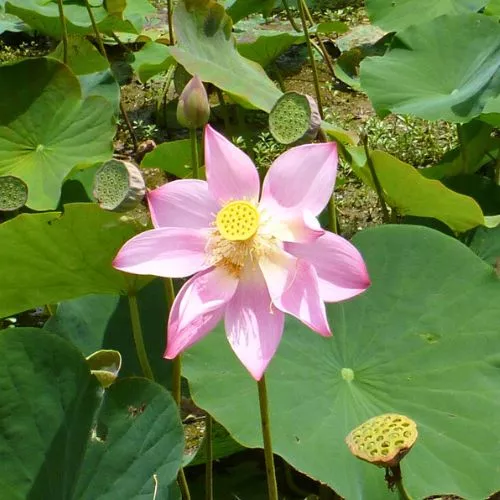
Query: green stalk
(140, 348)
(396, 479)
(322, 48)
(463, 151)
(209, 455)
(378, 187)
(176, 386)
(497, 169)
(223, 107)
(170, 12)
(195, 162)
(314, 69)
(332, 210)
(272, 485)
(102, 50)
(290, 16)
(64, 30)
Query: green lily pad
(268, 45)
(137, 446)
(43, 16)
(422, 341)
(92, 70)
(11, 23)
(50, 257)
(486, 243)
(49, 129)
(206, 48)
(48, 400)
(445, 69)
(410, 193)
(152, 59)
(173, 157)
(475, 144)
(238, 9)
(395, 16)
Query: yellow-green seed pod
(383, 440)
(119, 186)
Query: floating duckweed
(294, 118)
(13, 193)
(119, 186)
(383, 440)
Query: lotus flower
(254, 258)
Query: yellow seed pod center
(237, 221)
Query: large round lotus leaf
(396, 15)
(445, 69)
(49, 257)
(47, 403)
(206, 48)
(422, 341)
(48, 129)
(44, 16)
(137, 447)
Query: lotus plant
(254, 255)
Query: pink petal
(301, 228)
(184, 203)
(197, 309)
(171, 252)
(301, 179)
(231, 174)
(341, 269)
(253, 326)
(294, 288)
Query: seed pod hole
(13, 193)
(383, 440)
(119, 186)
(294, 118)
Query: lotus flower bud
(383, 440)
(193, 109)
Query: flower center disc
(237, 221)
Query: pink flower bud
(193, 109)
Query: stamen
(238, 221)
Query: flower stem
(140, 348)
(209, 480)
(170, 12)
(314, 69)
(376, 182)
(176, 386)
(463, 149)
(272, 485)
(64, 30)
(194, 153)
(289, 15)
(102, 50)
(396, 479)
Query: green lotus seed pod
(383, 440)
(294, 119)
(105, 365)
(119, 186)
(193, 109)
(13, 193)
